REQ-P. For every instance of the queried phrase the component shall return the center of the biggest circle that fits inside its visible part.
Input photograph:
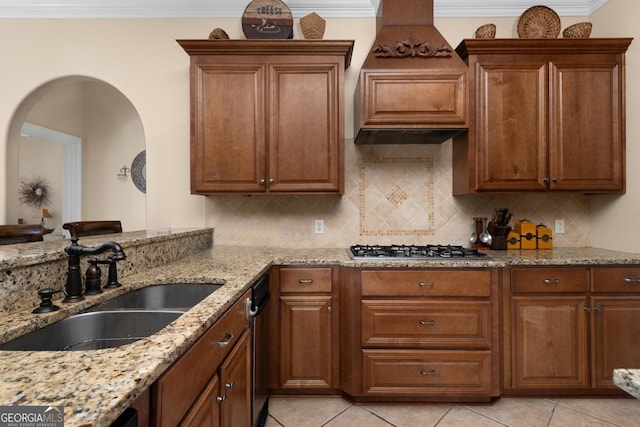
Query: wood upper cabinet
(549, 116)
(267, 116)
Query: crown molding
(299, 8)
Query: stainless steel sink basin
(160, 297)
(94, 331)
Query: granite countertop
(96, 386)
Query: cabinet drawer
(426, 373)
(177, 389)
(615, 279)
(407, 323)
(552, 279)
(426, 283)
(306, 279)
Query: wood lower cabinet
(549, 115)
(226, 399)
(267, 116)
(306, 344)
(420, 334)
(568, 328)
(210, 385)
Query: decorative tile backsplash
(396, 196)
(393, 194)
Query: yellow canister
(513, 240)
(544, 237)
(527, 231)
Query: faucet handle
(46, 301)
(112, 277)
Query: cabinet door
(549, 336)
(205, 412)
(306, 331)
(615, 340)
(235, 384)
(511, 125)
(306, 127)
(228, 122)
(586, 125)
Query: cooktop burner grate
(414, 252)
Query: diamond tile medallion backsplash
(394, 194)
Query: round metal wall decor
(267, 19)
(139, 171)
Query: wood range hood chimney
(413, 86)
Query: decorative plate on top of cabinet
(267, 19)
(539, 22)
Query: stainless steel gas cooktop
(416, 252)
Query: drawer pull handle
(426, 285)
(431, 372)
(230, 385)
(221, 399)
(228, 337)
(305, 281)
(427, 322)
(632, 280)
(550, 281)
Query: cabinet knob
(632, 280)
(305, 281)
(550, 281)
(221, 399)
(230, 385)
(330, 309)
(586, 309)
(554, 180)
(262, 182)
(546, 180)
(271, 181)
(431, 372)
(597, 309)
(427, 322)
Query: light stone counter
(96, 386)
(628, 380)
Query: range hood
(412, 86)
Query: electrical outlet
(559, 226)
(319, 226)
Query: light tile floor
(511, 412)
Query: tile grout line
(336, 416)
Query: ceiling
(299, 8)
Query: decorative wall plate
(139, 171)
(539, 22)
(267, 19)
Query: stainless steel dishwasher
(257, 309)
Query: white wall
(141, 59)
(613, 219)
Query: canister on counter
(544, 237)
(527, 231)
(513, 240)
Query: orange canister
(544, 237)
(527, 231)
(513, 240)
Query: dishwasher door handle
(249, 312)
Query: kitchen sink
(178, 297)
(94, 331)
